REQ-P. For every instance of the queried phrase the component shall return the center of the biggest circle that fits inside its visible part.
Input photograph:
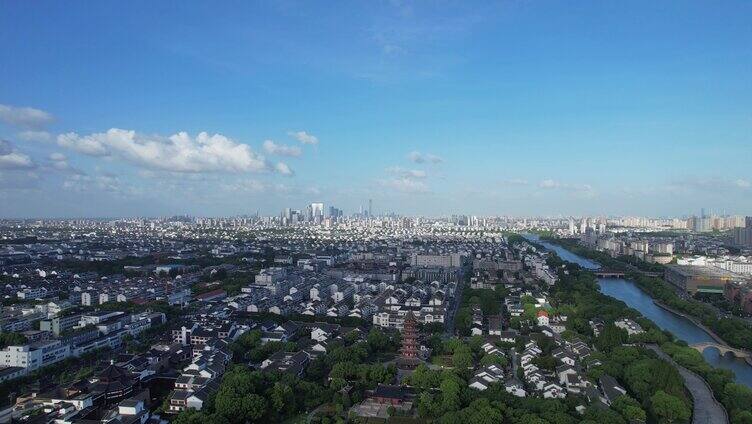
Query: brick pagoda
(409, 352)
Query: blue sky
(518, 107)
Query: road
(454, 304)
(706, 409)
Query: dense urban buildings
(161, 310)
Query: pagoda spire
(409, 350)
(409, 336)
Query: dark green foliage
(250, 396)
(494, 359)
(610, 338)
(603, 416)
(488, 300)
(645, 376)
(629, 408)
(370, 375)
(738, 401)
(669, 409)
(433, 328)
(12, 339)
(247, 342)
(463, 320)
(546, 362)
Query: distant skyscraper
(317, 210)
(702, 223)
(742, 237)
(370, 207)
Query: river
(682, 328)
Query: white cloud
(64, 166)
(92, 145)
(57, 157)
(25, 117)
(405, 180)
(743, 183)
(515, 182)
(177, 153)
(60, 162)
(60, 165)
(40, 136)
(252, 186)
(10, 158)
(586, 191)
(407, 173)
(280, 149)
(706, 185)
(405, 185)
(16, 160)
(579, 190)
(417, 157)
(549, 184)
(88, 183)
(283, 169)
(303, 137)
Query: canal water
(682, 328)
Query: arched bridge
(723, 349)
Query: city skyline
(112, 110)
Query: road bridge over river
(608, 273)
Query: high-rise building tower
(370, 207)
(317, 210)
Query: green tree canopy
(668, 408)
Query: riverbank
(694, 320)
(710, 332)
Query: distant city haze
(126, 109)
